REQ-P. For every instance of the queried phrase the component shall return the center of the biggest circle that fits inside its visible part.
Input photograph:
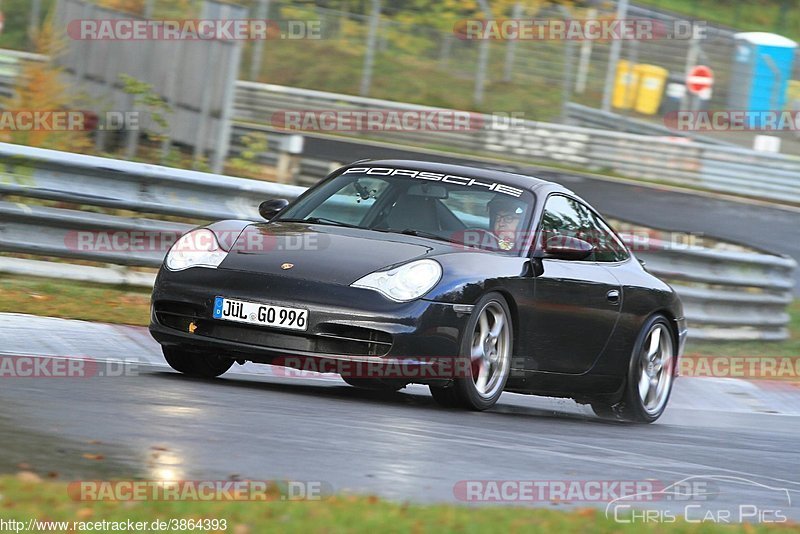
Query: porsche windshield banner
(436, 177)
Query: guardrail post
(289, 158)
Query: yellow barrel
(626, 86)
(793, 94)
(652, 79)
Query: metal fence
(555, 71)
(728, 295)
(549, 73)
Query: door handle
(613, 296)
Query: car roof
(518, 180)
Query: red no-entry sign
(699, 79)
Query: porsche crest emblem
(287, 266)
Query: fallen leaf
(89, 456)
(28, 476)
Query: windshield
(477, 213)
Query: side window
(608, 247)
(565, 217)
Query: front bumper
(344, 323)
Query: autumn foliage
(41, 89)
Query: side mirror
(270, 208)
(567, 248)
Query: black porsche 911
(471, 281)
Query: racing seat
(420, 213)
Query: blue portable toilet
(762, 68)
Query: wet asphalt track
(253, 424)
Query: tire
(487, 344)
(196, 364)
(651, 373)
(375, 384)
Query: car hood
(335, 254)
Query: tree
(39, 89)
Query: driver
(505, 215)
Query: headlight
(404, 283)
(198, 248)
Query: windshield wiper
(321, 220)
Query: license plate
(260, 314)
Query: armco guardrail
(588, 117)
(728, 295)
(730, 169)
(110, 183)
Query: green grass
(775, 16)
(335, 66)
(75, 300)
(26, 497)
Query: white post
(262, 12)
(369, 57)
(613, 58)
(483, 57)
(585, 59)
(689, 100)
(511, 47)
